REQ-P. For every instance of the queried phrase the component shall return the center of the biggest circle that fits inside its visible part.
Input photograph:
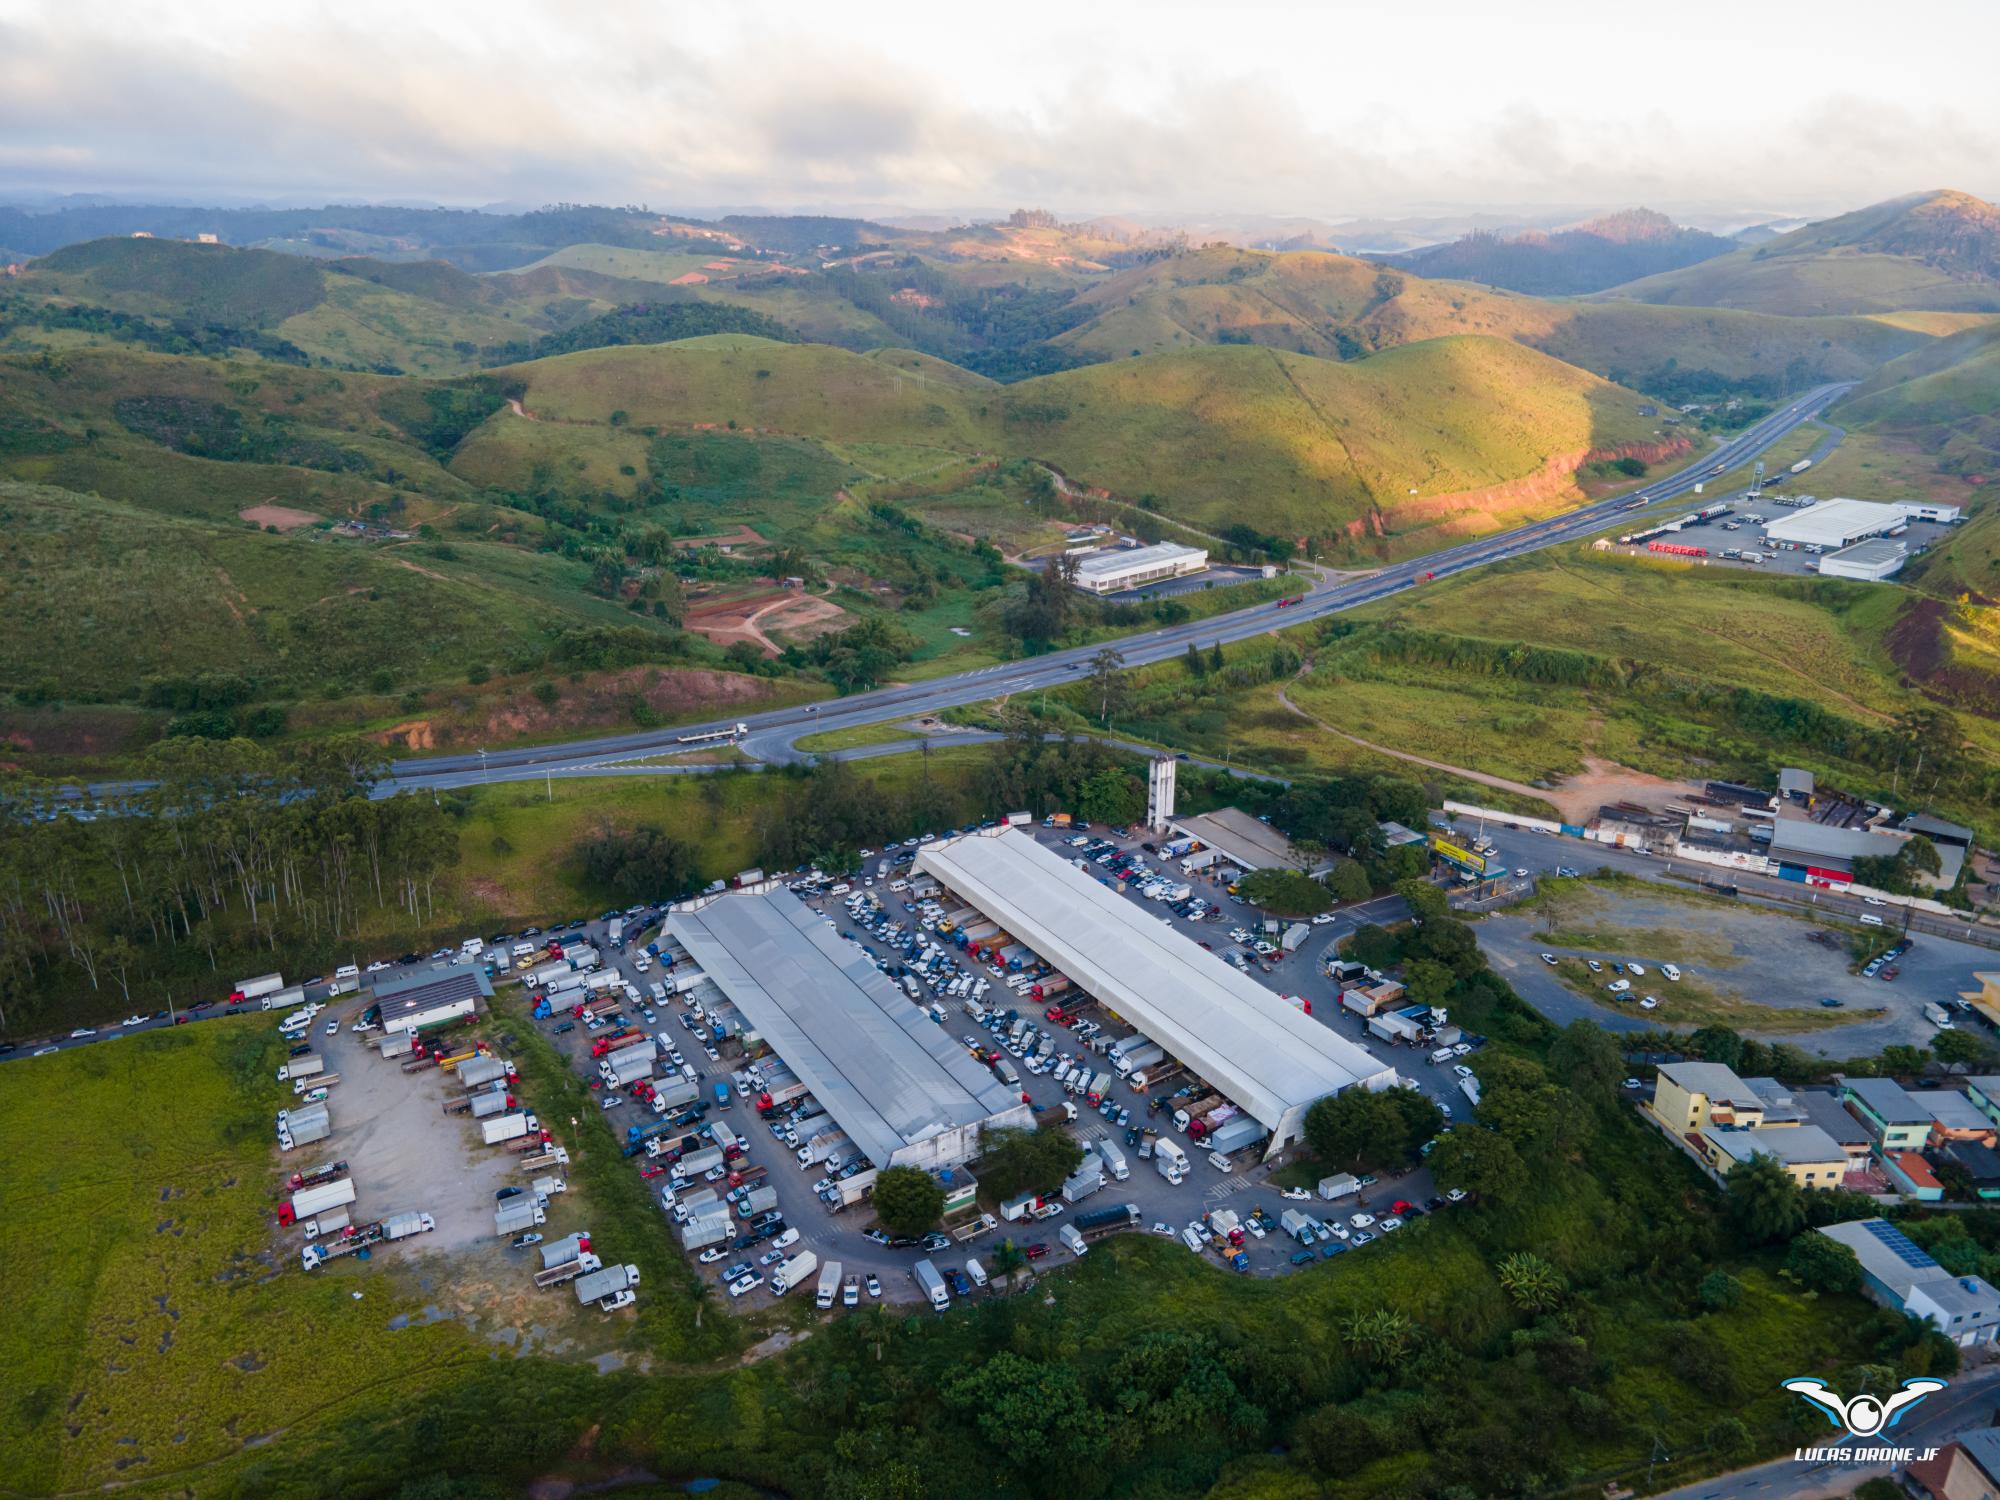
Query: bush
(1286, 892)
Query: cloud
(876, 103)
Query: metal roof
(595, 1286)
(1801, 836)
(1829, 1114)
(1885, 1253)
(1952, 1109)
(1231, 831)
(884, 1071)
(1887, 1100)
(1794, 1145)
(1269, 1057)
(1835, 523)
(437, 987)
(1716, 1080)
(1112, 563)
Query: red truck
(748, 1174)
(616, 1040)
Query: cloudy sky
(1329, 109)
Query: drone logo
(1865, 1416)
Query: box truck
(793, 1272)
(931, 1284)
(498, 1128)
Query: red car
(1036, 1251)
(1400, 1206)
(652, 1171)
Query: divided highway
(773, 736)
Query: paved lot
(1779, 558)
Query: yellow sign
(1457, 855)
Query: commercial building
(905, 1092)
(1841, 523)
(1111, 571)
(1899, 1274)
(1242, 840)
(434, 998)
(1272, 1060)
(1870, 561)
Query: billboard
(1465, 859)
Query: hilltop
(1937, 250)
(1586, 257)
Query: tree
(1957, 1049)
(1427, 982)
(1764, 1202)
(908, 1200)
(1717, 1044)
(1380, 1336)
(1901, 1058)
(1426, 902)
(1349, 881)
(1372, 945)
(1718, 1291)
(1534, 1284)
(1037, 1413)
(1111, 796)
(1194, 661)
(1013, 1162)
(1360, 1129)
(1823, 1264)
(1285, 892)
(1215, 662)
(1107, 682)
(1586, 1056)
(1478, 1161)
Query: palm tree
(1534, 1284)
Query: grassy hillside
(1395, 443)
(1338, 307)
(1585, 257)
(1936, 251)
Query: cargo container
(1236, 1135)
(511, 1127)
(1113, 1156)
(1072, 1239)
(793, 1272)
(397, 1044)
(698, 1162)
(483, 1070)
(757, 1201)
(1088, 1179)
(702, 1230)
(821, 1146)
(931, 1284)
(1138, 1057)
(313, 1200)
(517, 1215)
(302, 1067)
(677, 1094)
(1345, 1185)
(331, 1221)
(1170, 1160)
(403, 1225)
(1298, 1224)
(296, 1132)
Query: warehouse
(1270, 1059)
(435, 998)
(1820, 854)
(1840, 523)
(1243, 840)
(905, 1092)
(1870, 561)
(1133, 567)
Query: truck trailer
(496, 1129)
(403, 1225)
(580, 1263)
(313, 1200)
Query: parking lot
(845, 1235)
(1743, 532)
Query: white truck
(793, 1272)
(932, 1285)
(510, 1127)
(314, 1200)
(403, 1225)
(258, 988)
(1938, 1016)
(1171, 1161)
(829, 1285)
(1113, 1156)
(1139, 1057)
(546, 1188)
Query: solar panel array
(1901, 1245)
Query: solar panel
(1900, 1245)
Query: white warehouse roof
(902, 1089)
(1101, 569)
(1272, 1059)
(1835, 523)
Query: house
(1965, 1469)
(1898, 1274)
(1820, 1107)
(1980, 1164)
(1985, 1002)
(1912, 1176)
(1895, 1120)
(1954, 1117)
(1780, 1106)
(1688, 1096)
(1810, 1156)
(1984, 1089)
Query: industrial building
(1242, 840)
(1870, 561)
(1272, 1060)
(430, 999)
(906, 1093)
(1833, 524)
(1899, 1274)
(1823, 855)
(1111, 571)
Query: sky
(1330, 110)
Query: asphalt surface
(772, 737)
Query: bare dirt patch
(1602, 781)
(281, 516)
(742, 536)
(512, 712)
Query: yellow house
(1810, 1157)
(1689, 1096)
(1985, 999)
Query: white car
(1391, 1223)
(1639, 969)
(1461, 1070)
(1595, 966)
(1361, 1221)
(1193, 1240)
(743, 1284)
(332, 1026)
(786, 1240)
(133, 1021)
(82, 1031)
(1619, 986)
(1549, 959)
(1873, 901)
(1649, 1003)
(711, 1255)
(1456, 1195)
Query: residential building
(1954, 1117)
(1899, 1274)
(1980, 1164)
(1822, 1108)
(1966, 1469)
(1984, 1089)
(1781, 1106)
(1895, 1120)
(1689, 1096)
(1810, 1156)
(1912, 1176)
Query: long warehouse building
(906, 1093)
(1273, 1060)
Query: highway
(773, 737)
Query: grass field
(859, 735)
(1695, 1003)
(153, 1326)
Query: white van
(1443, 1055)
(1869, 919)
(1670, 971)
(976, 1272)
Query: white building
(1134, 567)
(1841, 523)
(1870, 561)
(1273, 1061)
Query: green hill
(1338, 307)
(1937, 251)
(1585, 257)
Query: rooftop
(1887, 1100)
(1980, 1163)
(1874, 551)
(1952, 1109)
(1937, 830)
(1968, 1296)
(1719, 1083)
(434, 987)
(1115, 561)
(1781, 1107)
(1885, 1253)
(1231, 831)
(1792, 779)
(886, 1074)
(1794, 1145)
(1803, 836)
(1829, 1114)
(1832, 522)
(1271, 1058)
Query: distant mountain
(1937, 251)
(1585, 257)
